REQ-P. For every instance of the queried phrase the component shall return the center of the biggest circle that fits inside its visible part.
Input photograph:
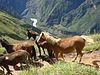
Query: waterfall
(34, 21)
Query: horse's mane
(50, 38)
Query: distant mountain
(58, 16)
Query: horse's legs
(39, 49)
(43, 50)
(79, 51)
(56, 54)
(33, 52)
(81, 54)
(50, 53)
(5, 65)
(2, 68)
(75, 58)
(29, 37)
(61, 54)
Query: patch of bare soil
(88, 59)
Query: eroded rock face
(69, 16)
(37, 8)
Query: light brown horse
(63, 45)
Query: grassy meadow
(70, 68)
(62, 68)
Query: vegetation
(67, 16)
(62, 68)
(93, 46)
(12, 28)
(81, 20)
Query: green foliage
(11, 27)
(93, 46)
(2, 49)
(62, 68)
(82, 20)
(87, 21)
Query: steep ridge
(66, 16)
(13, 28)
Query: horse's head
(1, 40)
(4, 41)
(41, 38)
(45, 36)
(29, 29)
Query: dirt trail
(91, 59)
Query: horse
(3, 64)
(23, 45)
(63, 45)
(20, 56)
(48, 47)
(30, 34)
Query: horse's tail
(88, 38)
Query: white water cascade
(34, 21)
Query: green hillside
(86, 19)
(12, 28)
(61, 17)
(82, 20)
(68, 17)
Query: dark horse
(3, 64)
(23, 45)
(30, 34)
(20, 56)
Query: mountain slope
(58, 16)
(85, 19)
(13, 28)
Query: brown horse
(30, 33)
(20, 56)
(48, 47)
(33, 34)
(64, 45)
(3, 64)
(22, 45)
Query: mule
(63, 45)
